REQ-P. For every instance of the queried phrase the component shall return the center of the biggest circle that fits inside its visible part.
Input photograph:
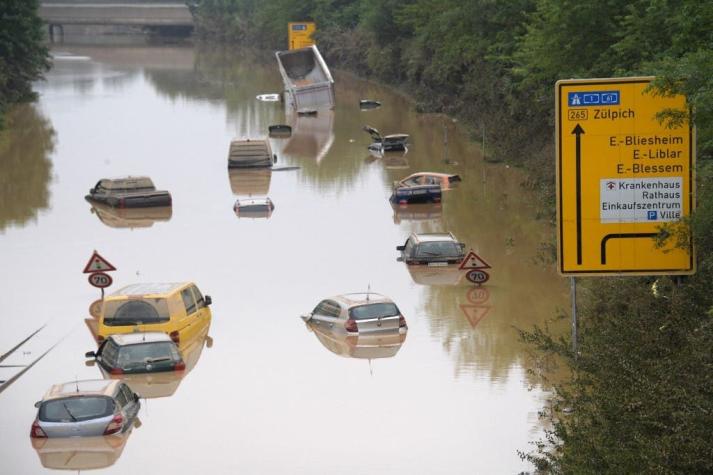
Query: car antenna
(368, 289)
(76, 382)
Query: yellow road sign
(621, 175)
(299, 34)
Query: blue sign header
(594, 98)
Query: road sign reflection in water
(621, 175)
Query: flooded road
(270, 394)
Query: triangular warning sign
(473, 261)
(474, 313)
(97, 264)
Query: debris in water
(368, 104)
(268, 97)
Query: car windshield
(133, 312)
(438, 249)
(76, 408)
(147, 353)
(373, 310)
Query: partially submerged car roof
(92, 387)
(149, 289)
(127, 182)
(425, 237)
(361, 298)
(123, 339)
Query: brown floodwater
(270, 394)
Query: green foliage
(641, 389)
(23, 56)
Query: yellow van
(177, 309)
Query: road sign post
(96, 268)
(621, 175)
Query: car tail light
(180, 366)
(351, 325)
(100, 338)
(402, 321)
(437, 199)
(115, 425)
(116, 371)
(122, 203)
(36, 431)
(175, 336)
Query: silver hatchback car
(357, 313)
(85, 408)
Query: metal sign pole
(573, 292)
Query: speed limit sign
(100, 279)
(477, 276)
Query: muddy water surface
(270, 395)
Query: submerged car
(152, 384)
(357, 313)
(128, 192)
(386, 143)
(419, 194)
(445, 180)
(433, 249)
(251, 153)
(177, 309)
(85, 408)
(254, 207)
(142, 352)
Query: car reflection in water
(365, 346)
(250, 181)
(426, 275)
(417, 212)
(81, 453)
(131, 217)
(164, 383)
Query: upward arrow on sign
(473, 261)
(97, 264)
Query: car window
(328, 308)
(408, 248)
(127, 393)
(373, 310)
(413, 181)
(109, 352)
(133, 356)
(72, 409)
(438, 249)
(121, 398)
(135, 311)
(188, 301)
(431, 180)
(200, 301)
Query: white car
(357, 313)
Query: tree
(23, 56)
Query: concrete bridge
(146, 13)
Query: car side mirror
(399, 259)
(274, 158)
(462, 246)
(208, 300)
(136, 397)
(209, 341)
(90, 354)
(38, 404)
(89, 363)
(400, 248)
